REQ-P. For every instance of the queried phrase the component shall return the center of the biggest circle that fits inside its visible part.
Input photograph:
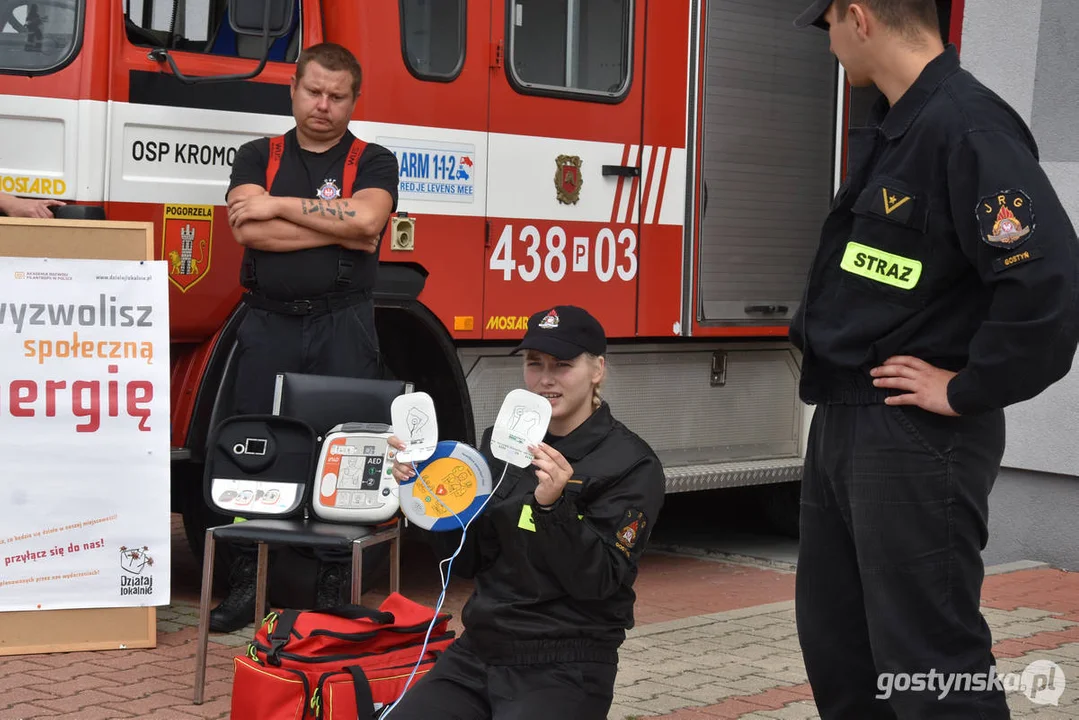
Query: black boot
(334, 585)
(238, 607)
(335, 576)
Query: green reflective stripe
(526, 522)
(882, 267)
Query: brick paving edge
(709, 619)
(1015, 567)
(723, 557)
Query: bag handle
(358, 612)
(365, 701)
(279, 635)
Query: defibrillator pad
(455, 480)
(354, 476)
(260, 466)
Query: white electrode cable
(444, 575)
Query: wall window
(433, 38)
(202, 26)
(39, 36)
(576, 46)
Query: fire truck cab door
(564, 171)
(172, 143)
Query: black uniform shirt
(314, 271)
(557, 585)
(946, 242)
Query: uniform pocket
(889, 255)
(894, 202)
(365, 326)
(934, 433)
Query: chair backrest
(323, 401)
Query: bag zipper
(255, 647)
(364, 635)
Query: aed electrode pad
(455, 479)
(354, 481)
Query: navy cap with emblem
(814, 15)
(564, 331)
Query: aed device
(354, 475)
(454, 480)
(259, 466)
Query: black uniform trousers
(894, 516)
(341, 343)
(462, 687)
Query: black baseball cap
(814, 15)
(564, 331)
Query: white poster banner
(84, 434)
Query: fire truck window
(578, 46)
(38, 36)
(433, 38)
(202, 26)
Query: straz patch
(893, 204)
(631, 529)
(1001, 264)
(1006, 219)
(880, 266)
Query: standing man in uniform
(944, 289)
(310, 209)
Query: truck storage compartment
(717, 414)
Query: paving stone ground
(715, 639)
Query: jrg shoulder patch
(1006, 218)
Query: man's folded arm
(359, 218)
(279, 234)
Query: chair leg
(395, 562)
(263, 569)
(357, 571)
(204, 615)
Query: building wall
(1032, 516)
(1028, 52)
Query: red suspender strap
(345, 264)
(351, 162)
(277, 149)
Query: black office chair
(322, 402)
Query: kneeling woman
(554, 554)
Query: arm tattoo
(310, 207)
(338, 210)
(343, 209)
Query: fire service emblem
(187, 235)
(567, 179)
(1007, 218)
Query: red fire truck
(666, 163)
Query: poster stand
(49, 631)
